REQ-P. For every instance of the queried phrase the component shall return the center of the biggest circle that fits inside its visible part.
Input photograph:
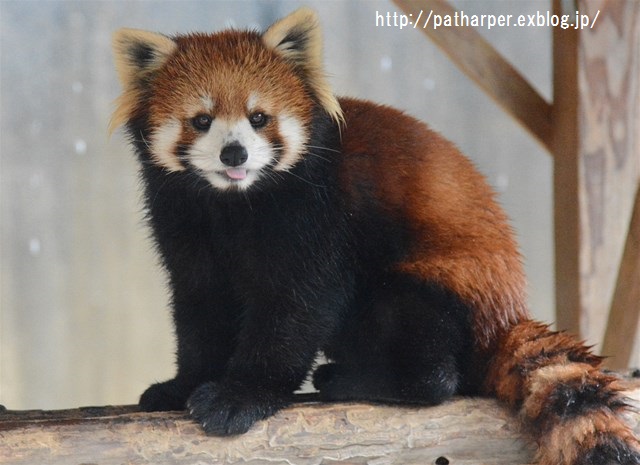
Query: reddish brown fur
(528, 347)
(531, 364)
(566, 442)
(226, 67)
(464, 241)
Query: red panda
(291, 222)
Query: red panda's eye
(202, 122)
(258, 120)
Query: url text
(426, 19)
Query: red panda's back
(460, 237)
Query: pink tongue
(236, 173)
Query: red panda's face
(229, 109)
(233, 107)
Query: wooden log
(462, 432)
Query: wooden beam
(624, 316)
(462, 432)
(566, 178)
(484, 65)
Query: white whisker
(323, 148)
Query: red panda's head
(230, 105)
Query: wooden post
(566, 178)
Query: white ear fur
(137, 53)
(298, 39)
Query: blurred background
(84, 318)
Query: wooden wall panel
(609, 151)
(624, 318)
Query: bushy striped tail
(568, 404)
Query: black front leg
(206, 323)
(275, 350)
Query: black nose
(233, 155)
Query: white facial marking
(205, 154)
(163, 143)
(252, 101)
(207, 103)
(295, 137)
(203, 104)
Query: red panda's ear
(297, 38)
(137, 53)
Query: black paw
(161, 397)
(231, 409)
(340, 383)
(324, 375)
(336, 384)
